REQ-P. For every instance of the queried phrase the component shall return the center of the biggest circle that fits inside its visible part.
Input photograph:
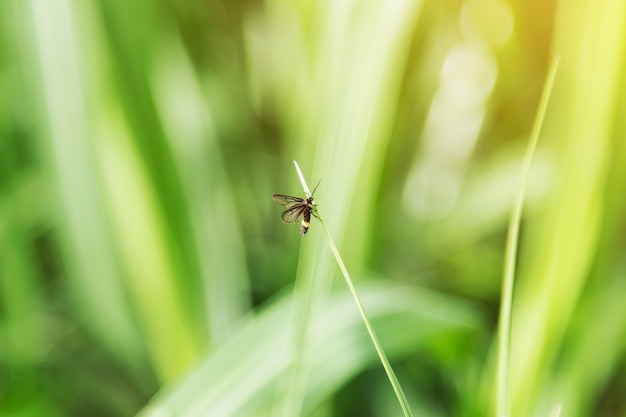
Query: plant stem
(381, 354)
(379, 349)
(504, 327)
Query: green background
(144, 267)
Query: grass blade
(379, 349)
(504, 326)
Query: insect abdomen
(306, 221)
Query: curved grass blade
(504, 326)
(379, 350)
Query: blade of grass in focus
(340, 114)
(395, 384)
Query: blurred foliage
(144, 268)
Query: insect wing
(287, 200)
(293, 214)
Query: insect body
(297, 208)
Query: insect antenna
(318, 183)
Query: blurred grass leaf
(236, 380)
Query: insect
(297, 208)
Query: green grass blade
(305, 186)
(248, 377)
(504, 327)
(379, 349)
